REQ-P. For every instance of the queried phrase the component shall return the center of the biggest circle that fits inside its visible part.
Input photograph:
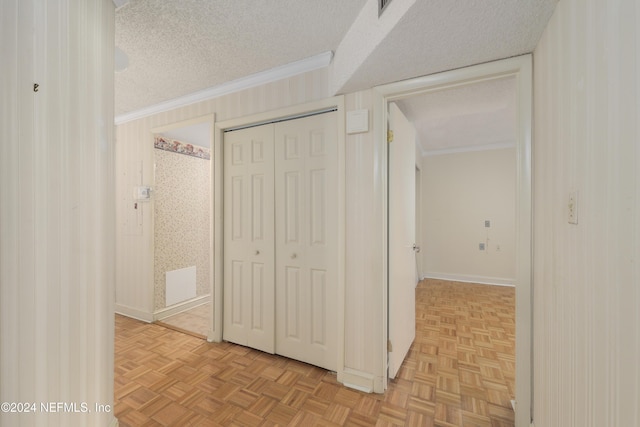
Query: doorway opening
(520, 70)
(182, 217)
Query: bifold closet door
(306, 239)
(249, 257)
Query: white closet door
(249, 238)
(306, 239)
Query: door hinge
(389, 136)
(389, 347)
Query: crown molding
(278, 73)
(120, 3)
(469, 148)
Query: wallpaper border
(175, 146)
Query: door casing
(521, 68)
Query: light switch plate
(357, 121)
(142, 193)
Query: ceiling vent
(382, 5)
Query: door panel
(280, 253)
(292, 304)
(291, 207)
(318, 307)
(248, 238)
(306, 252)
(402, 260)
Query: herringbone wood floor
(459, 372)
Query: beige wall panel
(363, 339)
(56, 211)
(586, 294)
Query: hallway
(459, 371)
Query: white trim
(120, 3)
(163, 313)
(381, 154)
(296, 110)
(278, 73)
(206, 118)
(470, 148)
(481, 280)
(358, 380)
(134, 313)
(521, 68)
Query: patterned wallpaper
(182, 214)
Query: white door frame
(218, 175)
(521, 68)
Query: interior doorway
(520, 69)
(182, 216)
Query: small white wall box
(357, 121)
(142, 193)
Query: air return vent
(382, 5)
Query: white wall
(587, 276)
(459, 192)
(56, 210)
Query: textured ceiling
(479, 114)
(177, 47)
(440, 35)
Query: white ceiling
(178, 47)
(478, 115)
(198, 134)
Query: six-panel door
(280, 238)
(248, 238)
(306, 239)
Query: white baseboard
(483, 280)
(134, 313)
(180, 307)
(358, 380)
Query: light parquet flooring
(194, 321)
(459, 372)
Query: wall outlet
(572, 208)
(487, 223)
(481, 246)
